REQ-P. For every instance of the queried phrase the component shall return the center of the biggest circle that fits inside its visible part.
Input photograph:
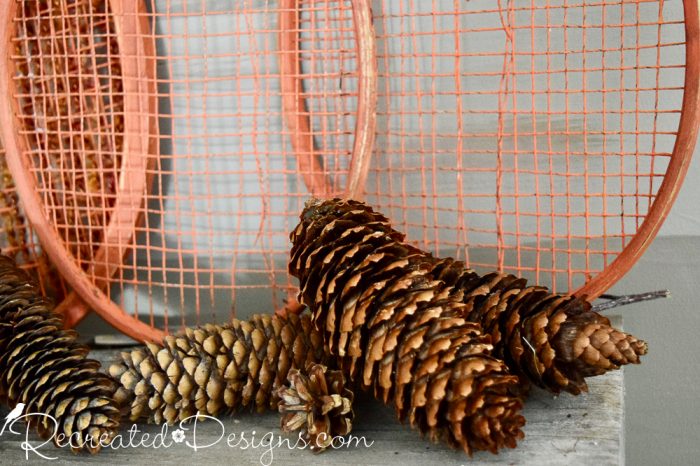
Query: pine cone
(215, 369)
(552, 340)
(42, 366)
(318, 402)
(555, 341)
(394, 328)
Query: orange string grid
(527, 136)
(18, 241)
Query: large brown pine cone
(553, 340)
(394, 328)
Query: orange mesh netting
(540, 146)
(163, 149)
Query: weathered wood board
(562, 430)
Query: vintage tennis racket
(547, 138)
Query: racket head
(548, 141)
(190, 220)
(464, 126)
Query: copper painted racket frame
(140, 123)
(686, 138)
(141, 130)
(297, 117)
(298, 125)
(294, 108)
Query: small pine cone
(215, 368)
(318, 402)
(42, 366)
(552, 340)
(395, 329)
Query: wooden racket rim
(683, 148)
(297, 117)
(295, 109)
(131, 187)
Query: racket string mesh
(223, 184)
(71, 110)
(526, 136)
(173, 143)
(19, 242)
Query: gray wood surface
(559, 430)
